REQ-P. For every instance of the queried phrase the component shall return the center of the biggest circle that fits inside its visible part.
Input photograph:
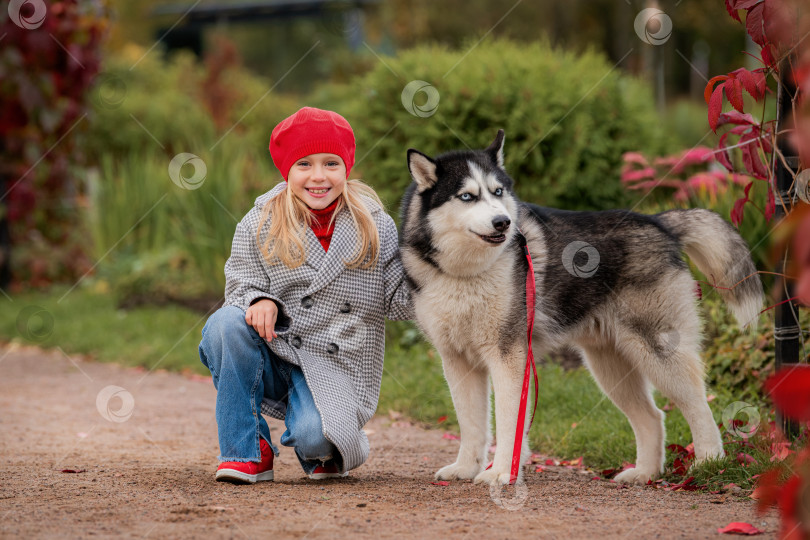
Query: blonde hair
(286, 240)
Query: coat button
(307, 302)
(332, 348)
(346, 307)
(296, 342)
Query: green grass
(573, 418)
(86, 321)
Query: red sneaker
(329, 470)
(248, 472)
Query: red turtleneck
(322, 224)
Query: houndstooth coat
(331, 319)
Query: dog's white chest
(464, 313)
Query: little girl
(313, 273)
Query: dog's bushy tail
(722, 255)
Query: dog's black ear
(495, 150)
(422, 168)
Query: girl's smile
(317, 179)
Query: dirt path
(152, 474)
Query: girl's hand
(262, 316)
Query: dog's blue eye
(499, 192)
(466, 197)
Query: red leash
(530, 367)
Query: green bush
(568, 118)
(161, 95)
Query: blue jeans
(244, 371)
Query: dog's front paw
(493, 477)
(458, 471)
(636, 476)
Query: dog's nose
(501, 223)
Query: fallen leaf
(451, 436)
(441, 483)
(740, 527)
(710, 398)
(573, 425)
(745, 459)
(539, 468)
(74, 470)
(442, 419)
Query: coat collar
(331, 263)
(328, 265)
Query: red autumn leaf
(752, 81)
(745, 4)
(707, 92)
(745, 459)
(790, 391)
(715, 107)
(442, 419)
(451, 436)
(803, 287)
(680, 466)
(739, 527)
(677, 448)
(736, 117)
(770, 208)
(441, 483)
(75, 471)
(767, 57)
(750, 155)
(737, 211)
(723, 156)
(780, 450)
(539, 468)
(732, 10)
(754, 24)
(733, 90)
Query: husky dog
(612, 284)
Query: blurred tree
(48, 59)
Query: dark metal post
(787, 331)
